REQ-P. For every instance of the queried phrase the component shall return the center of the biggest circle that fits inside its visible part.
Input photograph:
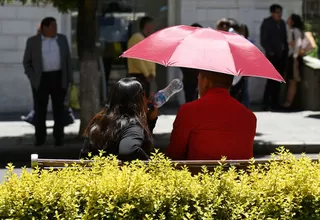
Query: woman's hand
(152, 113)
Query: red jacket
(213, 126)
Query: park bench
(194, 166)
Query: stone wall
(17, 23)
(250, 12)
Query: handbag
(72, 97)
(307, 43)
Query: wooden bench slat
(193, 165)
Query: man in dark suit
(68, 113)
(47, 64)
(273, 38)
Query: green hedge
(278, 190)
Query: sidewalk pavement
(299, 132)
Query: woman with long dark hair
(123, 128)
(295, 62)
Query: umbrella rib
(234, 64)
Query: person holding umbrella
(215, 125)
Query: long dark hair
(297, 22)
(125, 106)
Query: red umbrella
(205, 49)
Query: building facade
(18, 22)
(249, 12)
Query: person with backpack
(295, 57)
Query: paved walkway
(300, 132)
(289, 129)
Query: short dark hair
(219, 79)
(47, 21)
(223, 22)
(145, 20)
(274, 7)
(196, 25)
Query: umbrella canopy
(205, 49)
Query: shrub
(289, 189)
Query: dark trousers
(50, 85)
(190, 91)
(272, 89)
(190, 83)
(107, 64)
(143, 80)
(34, 97)
(245, 96)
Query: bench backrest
(193, 165)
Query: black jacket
(132, 144)
(273, 38)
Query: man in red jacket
(213, 126)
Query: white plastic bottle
(162, 96)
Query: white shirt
(296, 35)
(50, 54)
